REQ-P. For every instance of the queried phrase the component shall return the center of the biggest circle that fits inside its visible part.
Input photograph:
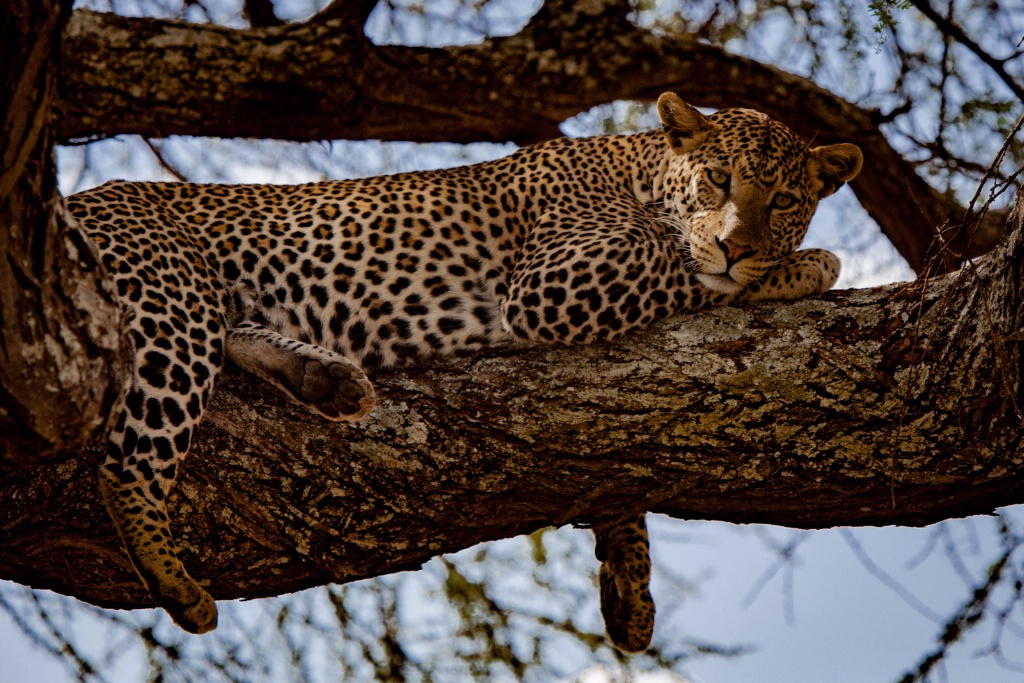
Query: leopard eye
(718, 177)
(783, 201)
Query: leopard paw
(320, 379)
(338, 390)
(627, 609)
(803, 273)
(624, 578)
(191, 608)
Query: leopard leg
(625, 576)
(145, 451)
(325, 382)
(802, 273)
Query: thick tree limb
(897, 405)
(323, 80)
(60, 346)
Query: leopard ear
(685, 127)
(829, 167)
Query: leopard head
(744, 187)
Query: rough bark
(60, 350)
(896, 405)
(324, 80)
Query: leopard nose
(734, 252)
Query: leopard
(311, 287)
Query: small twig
(969, 614)
(785, 561)
(949, 28)
(887, 579)
(1002, 358)
(162, 160)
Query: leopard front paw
(821, 269)
(802, 273)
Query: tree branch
(314, 82)
(60, 347)
(954, 31)
(888, 406)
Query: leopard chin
(721, 283)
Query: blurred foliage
(517, 610)
(885, 12)
(522, 609)
(994, 600)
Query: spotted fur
(570, 241)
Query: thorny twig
(970, 614)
